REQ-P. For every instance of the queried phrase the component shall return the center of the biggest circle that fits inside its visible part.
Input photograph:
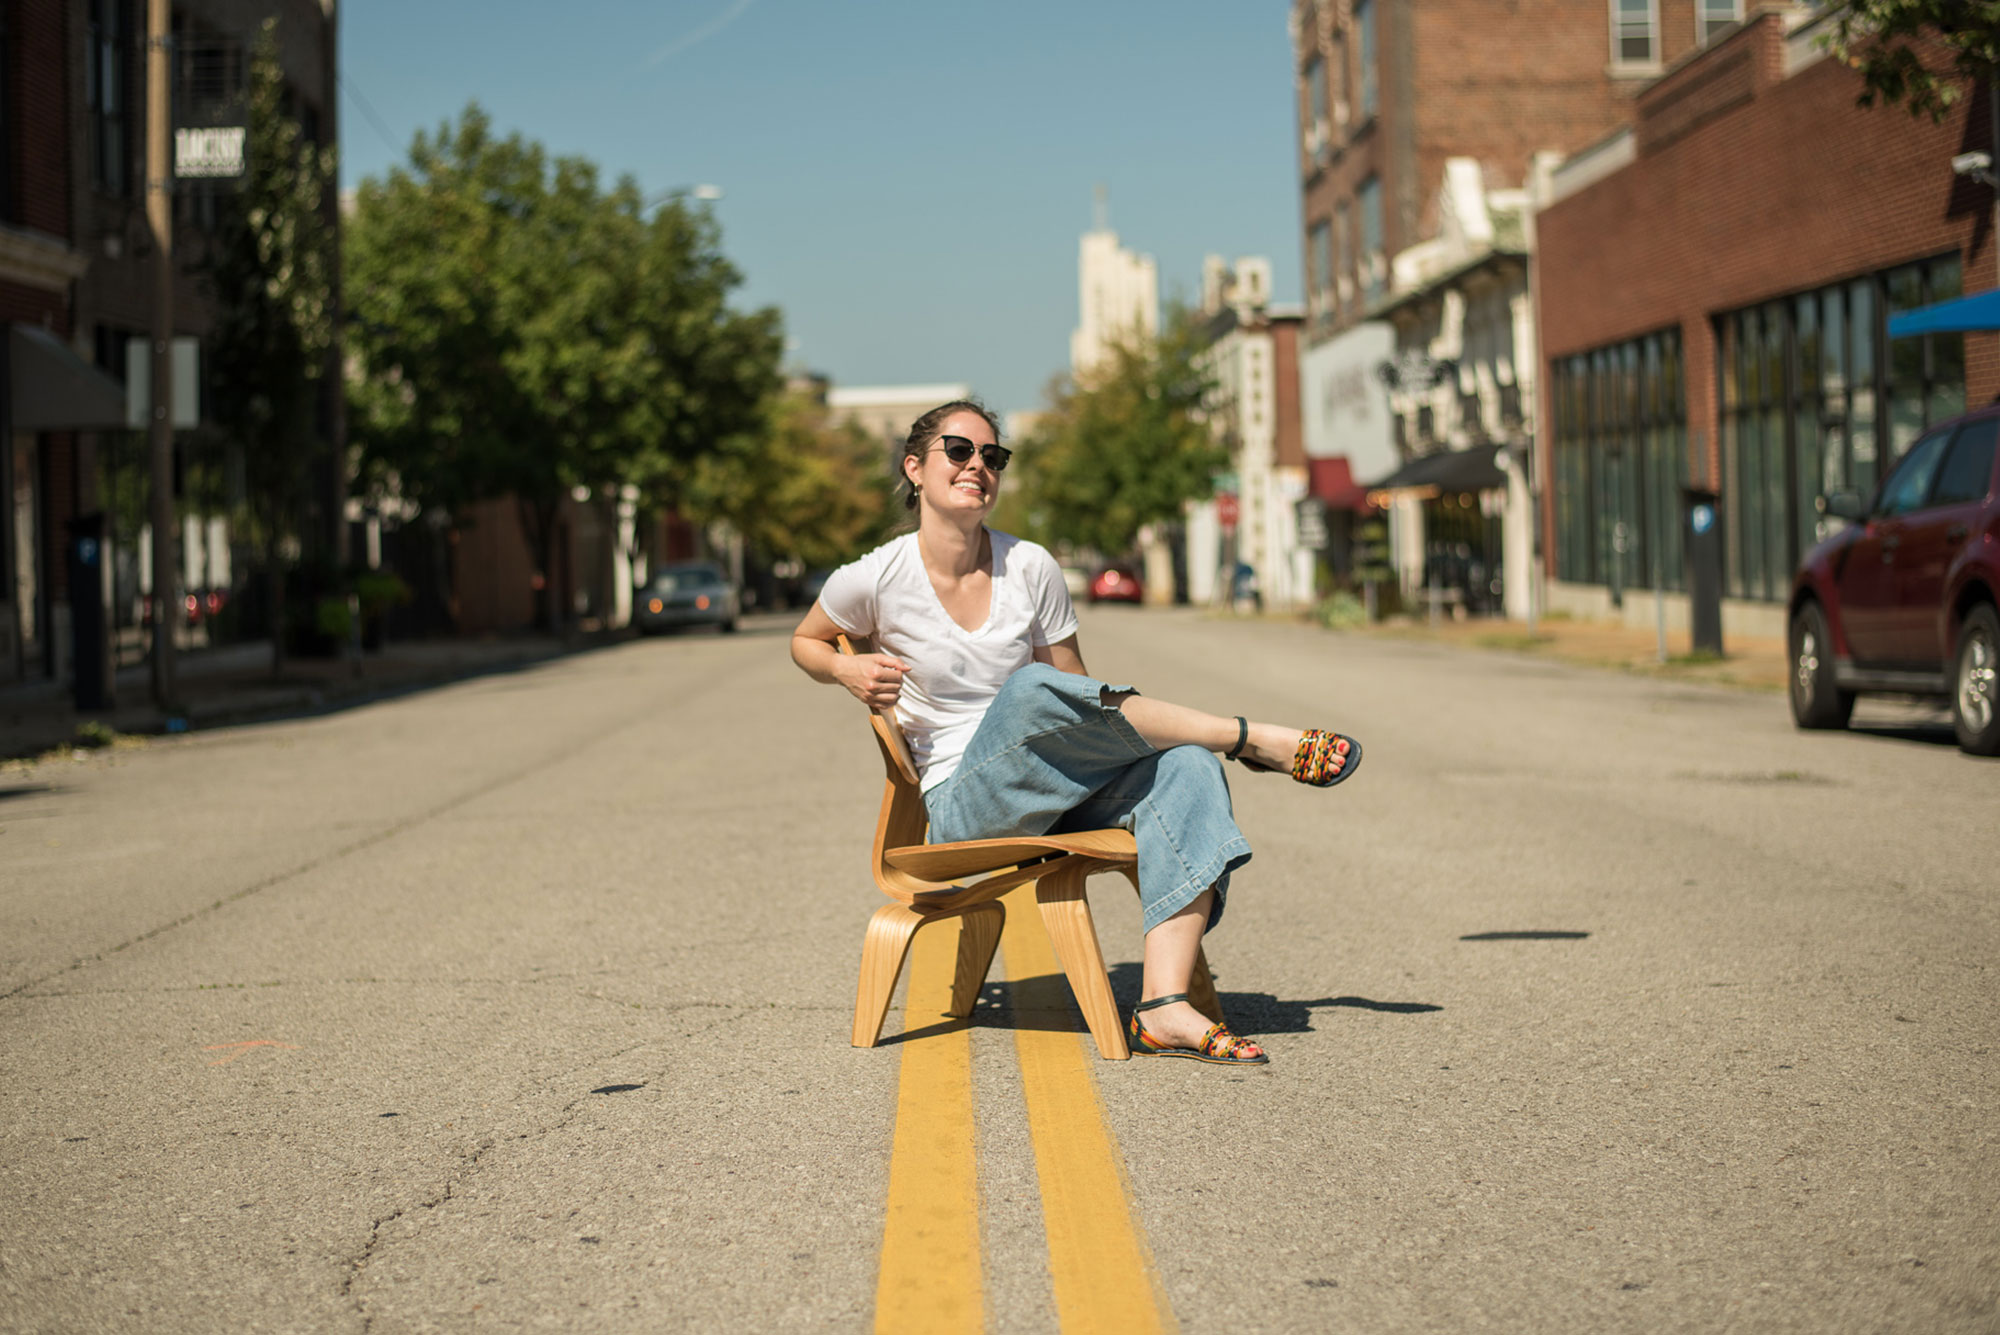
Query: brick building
(1714, 285)
(76, 266)
(1395, 100)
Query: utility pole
(160, 426)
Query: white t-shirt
(954, 673)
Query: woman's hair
(925, 430)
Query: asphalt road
(1594, 1002)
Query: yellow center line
(1099, 1264)
(930, 1271)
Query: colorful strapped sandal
(1218, 1045)
(1312, 763)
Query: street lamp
(707, 194)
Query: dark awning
(1957, 316)
(1475, 469)
(53, 389)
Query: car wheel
(729, 626)
(1975, 690)
(1816, 701)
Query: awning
(53, 389)
(1449, 471)
(1332, 480)
(1957, 316)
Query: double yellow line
(1100, 1268)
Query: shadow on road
(1031, 1003)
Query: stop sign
(1225, 509)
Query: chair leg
(978, 936)
(888, 941)
(1066, 915)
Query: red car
(1906, 600)
(1117, 584)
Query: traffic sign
(1225, 509)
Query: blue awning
(1957, 316)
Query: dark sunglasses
(959, 450)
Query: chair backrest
(903, 820)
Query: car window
(694, 577)
(1911, 482)
(1968, 469)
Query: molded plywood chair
(925, 880)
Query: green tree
(1886, 39)
(1124, 447)
(521, 331)
(806, 488)
(269, 267)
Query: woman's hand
(876, 680)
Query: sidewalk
(1750, 662)
(233, 684)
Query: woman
(975, 645)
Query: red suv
(1903, 601)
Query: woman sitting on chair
(975, 645)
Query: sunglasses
(959, 450)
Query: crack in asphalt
(470, 1164)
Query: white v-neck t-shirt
(954, 673)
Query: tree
(522, 332)
(1886, 39)
(269, 268)
(806, 488)
(1124, 447)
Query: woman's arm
(1063, 656)
(876, 680)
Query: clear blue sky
(905, 179)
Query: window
(1808, 405)
(1635, 32)
(1712, 16)
(1364, 44)
(105, 98)
(1374, 265)
(1968, 470)
(1313, 125)
(1620, 449)
(1319, 271)
(1910, 485)
(1343, 234)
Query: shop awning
(53, 389)
(1332, 480)
(1449, 471)
(1960, 315)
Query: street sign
(1312, 523)
(1225, 509)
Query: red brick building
(1714, 283)
(76, 266)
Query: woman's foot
(1179, 1025)
(1325, 758)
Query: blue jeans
(1052, 755)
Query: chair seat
(974, 857)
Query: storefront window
(1620, 458)
(1800, 384)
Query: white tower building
(1118, 295)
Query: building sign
(209, 152)
(1311, 514)
(1343, 400)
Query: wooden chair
(925, 881)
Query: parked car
(1077, 580)
(1906, 599)
(690, 593)
(1117, 584)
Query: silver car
(688, 593)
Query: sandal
(1218, 1045)
(1313, 762)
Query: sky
(905, 179)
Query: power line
(369, 112)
